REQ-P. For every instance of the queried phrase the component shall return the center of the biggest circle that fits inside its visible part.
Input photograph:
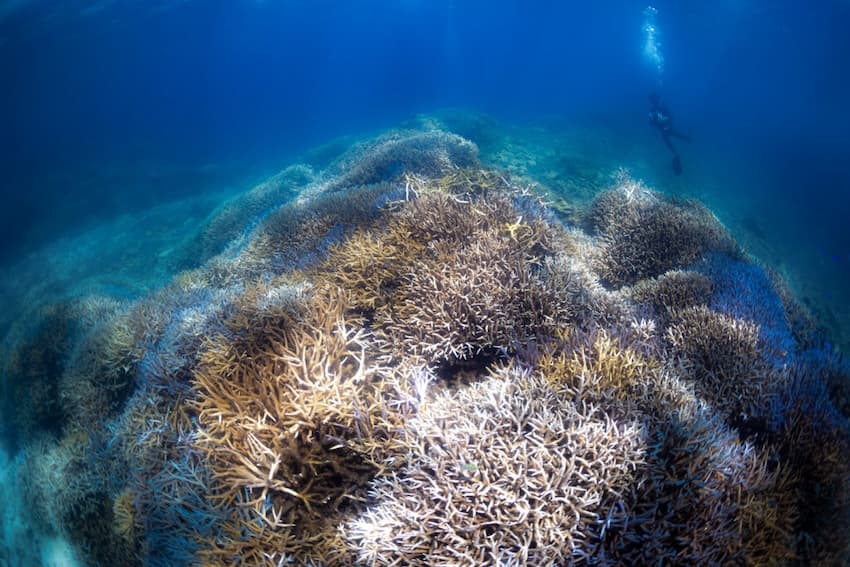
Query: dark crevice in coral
(121, 390)
(93, 525)
(821, 524)
(388, 287)
(462, 370)
(754, 429)
(31, 401)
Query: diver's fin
(677, 165)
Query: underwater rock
(404, 358)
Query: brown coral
(604, 366)
(723, 357)
(124, 514)
(280, 414)
(643, 235)
(672, 291)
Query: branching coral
(642, 234)
(453, 274)
(744, 291)
(412, 362)
(813, 439)
(507, 471)
(32, 373)
(604, 366)
(279, 412)
(586, 300)
(672, 291)
(124, 514)
(230, 220)
(704, 498)
(429, 153)
(465, 301)
(370, 265)
(723, 356)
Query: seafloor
(454, 343)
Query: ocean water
(148, 149)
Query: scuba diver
(660, 119)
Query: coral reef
(643, 234)
(508, 470)
(403, 357)
(235, 218)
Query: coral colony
(413, 361)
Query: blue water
(111, 106)
(124, 123)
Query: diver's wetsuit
(661, 120)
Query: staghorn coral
(369, 265)
(428, 153)
(671, 292)
(643, 234)
(276, 409)
(434, 247)
(744, 291)
(124, 513)
(506, 471)
(477, 287)
(451, 310)
(411, 361)
(602, 365)
(705, 498)
(699, 495)
(812, 439)
(32, 373)
(723, 357)
(587, 301)
(238, 215)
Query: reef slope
(407, 357)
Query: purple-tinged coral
(723, 356)
(643, 234)
(744, 291)
(506, 471)
(671, 292)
